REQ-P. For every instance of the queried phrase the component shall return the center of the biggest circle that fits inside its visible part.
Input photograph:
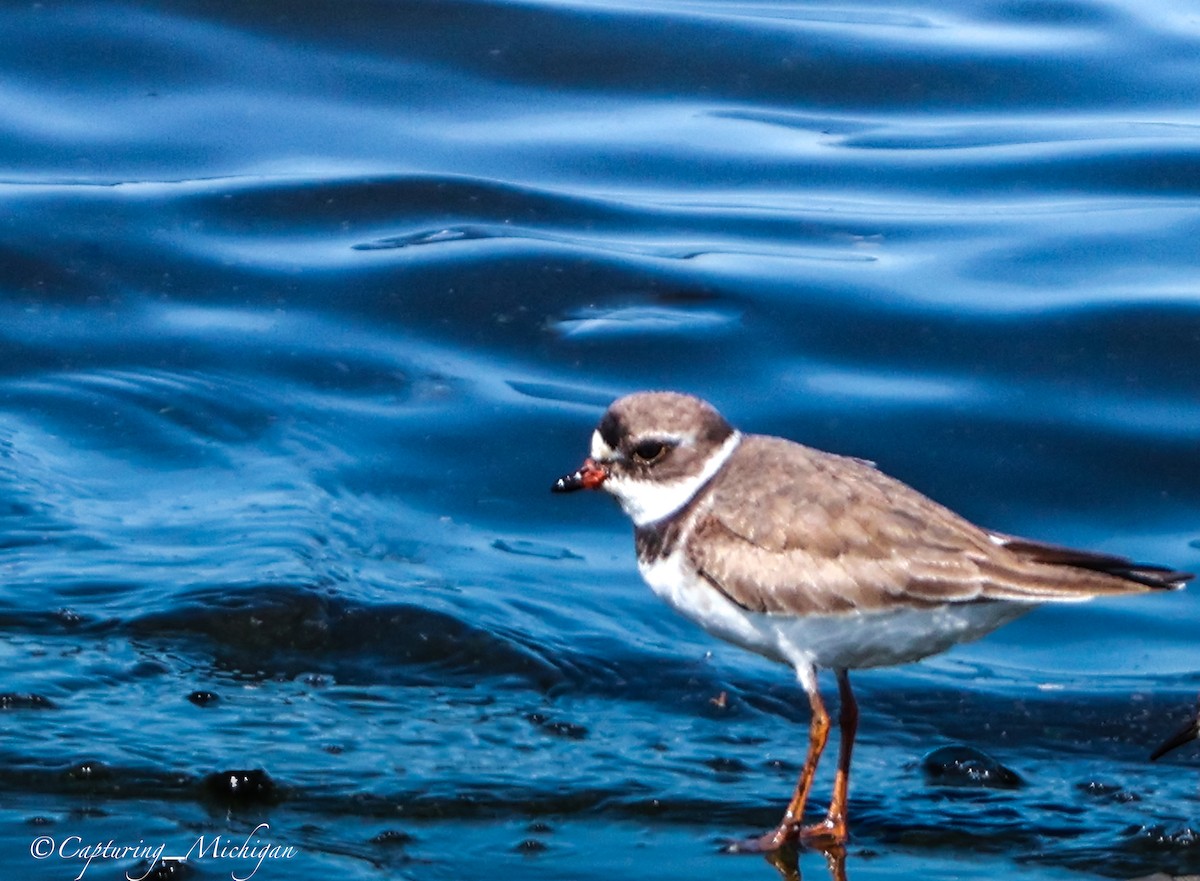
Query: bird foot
(769, 843)
(818, 836)
(828, 833)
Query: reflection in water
(786, 861)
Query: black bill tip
(568, 483)
(589, 476)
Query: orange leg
(818, 733)
(833, 829)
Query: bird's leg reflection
(835, 862)
(786, 861)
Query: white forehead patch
(601, 451)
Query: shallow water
(305, 305)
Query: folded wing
(840, 536)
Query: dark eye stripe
(611, 430)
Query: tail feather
(1157, 577)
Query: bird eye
(649, 451)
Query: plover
(818, 561)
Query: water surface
(305, 305)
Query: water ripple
(300, 314)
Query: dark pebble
(11, 701)
(966, 766)
(89, 771)
(1184, 838)
(242, 787)
(69, 617)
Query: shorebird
(818, 561)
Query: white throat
(648, 500)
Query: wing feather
(837, 535)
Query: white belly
(851, 640)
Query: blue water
(303, 306)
